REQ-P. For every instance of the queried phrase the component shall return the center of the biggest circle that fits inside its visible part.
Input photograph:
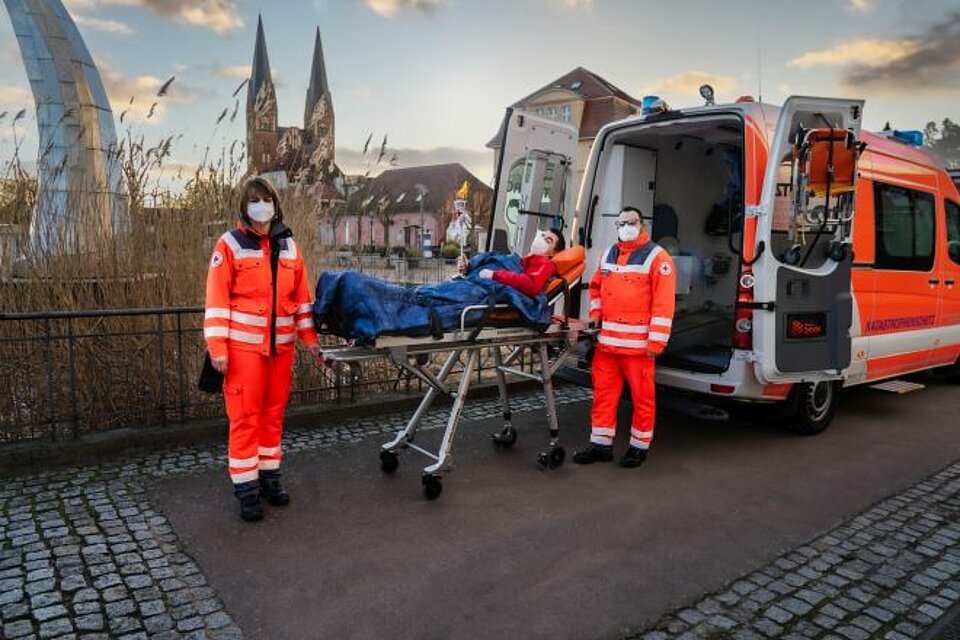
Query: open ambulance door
(803, 305)
(535, 181)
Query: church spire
(260, 72)
(318, 83)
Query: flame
(463, 191)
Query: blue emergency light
(913, 137)
(652, 104)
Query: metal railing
(63, 374)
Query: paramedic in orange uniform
(632, 299)
(537, 266)
(258, 304)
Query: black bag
(211, 380)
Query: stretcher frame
(412, 355)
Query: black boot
(633, 457)
(594, 453)
(272, 488)
(248, 493)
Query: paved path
(787, 535)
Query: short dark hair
(633, 209)
(560, 244)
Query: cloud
(389, 8)
(862, 6)
(15, 97)
(219, 16)
(688, 83)
(109, 26)
(143, 90)
(479, 162)
(927, 61)
(575, 4)
(865, 52)
(233, 72)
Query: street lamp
(423, 193)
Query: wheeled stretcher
(549, 349)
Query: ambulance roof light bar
(651, 105)
(912, 137)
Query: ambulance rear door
(535, 180)
(803, 305)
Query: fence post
(49, 358)
(180, 372)
(161, 371)
(71, 344)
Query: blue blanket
(356, 306)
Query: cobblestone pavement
(889, 572)
(83, 554)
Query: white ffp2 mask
(260, 211)
(539, 246)
(628, 233)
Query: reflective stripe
(626, 268)
(622, 342)
(658, 337)
(244, 462)
(216, 312)
(243, 336)
(306, 323)
(660, 321)
(291, 252)
(636, 433)
(601, 439)
(306, 307)
(284, 338)
(237, 250)
(604, 431)
(637, 444)
(216, 332)
(246, 476)
(269, 465)
(594, 305)
(269, 451)
(285, 321)
(247, 318)
(625, 328)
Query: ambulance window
(953, 230)
(905, 228)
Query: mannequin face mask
(260, 211)
(539, 246)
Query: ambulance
(811, 255)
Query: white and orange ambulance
(810, 255)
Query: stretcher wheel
(505, 438)
(552, 458)
(432, 487)
(389, 461)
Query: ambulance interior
(686, 177)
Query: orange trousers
(256, 389)
(610, 371)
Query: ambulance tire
(811, 407)
(952, 372)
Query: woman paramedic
(258, 304)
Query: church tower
(318, 117)
(262, 128)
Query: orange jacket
(239, 308)
(632, 294)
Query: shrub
(450, 250)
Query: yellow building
(580, 98)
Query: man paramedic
(632, 300)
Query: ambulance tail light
(743, 316)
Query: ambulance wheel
(812, 406)
(389, 461)
(505, 438)
(432, 487)
(552, 458)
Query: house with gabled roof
(580, 98)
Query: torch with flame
(460, 206)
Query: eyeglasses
(632, 223)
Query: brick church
(292, 156)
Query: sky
(434, 76)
